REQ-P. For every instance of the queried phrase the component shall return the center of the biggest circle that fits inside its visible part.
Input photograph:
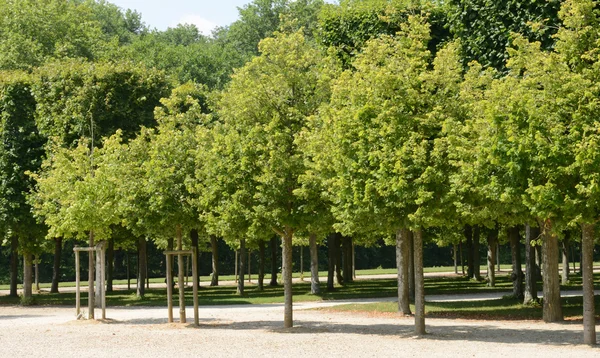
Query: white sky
(205, 14)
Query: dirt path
(256, 331)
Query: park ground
(256, 331)
(322, 328)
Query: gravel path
(256, 331)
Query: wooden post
(195, 284)
(77, 285)
(128, 278)
(169, 289)
(353, 261)
(103, 279)
(180, 273)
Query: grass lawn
(225, 295)
(502, 309)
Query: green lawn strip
(576, 278)
(225, 295)
(499, 309)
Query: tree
(485, 27)
(35, 31)
(21, 151)
(347, 27)
(256, 161)
(382, 137)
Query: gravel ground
(256, 331)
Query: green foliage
(21, 150)
(380, 145)
(76, 98)
(35, 31)
(75, 191)
(254, 162)
(485, 27)
(348, 26)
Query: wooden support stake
(77, 285)
(103, 279)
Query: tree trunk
(419, 283)
(347, 250)
(476, 256)
(462, 261)
(56, 265)
(110, 260)
(273, 261)
(517, 271)
(91, 268)
(194, 239)
(286, 255)
(261, 265)
(589, 311)
(411, 267)
(454, 253)
(315, 289)
(214, 280)
(468, 232)
(241, 267)
(141, 277)
(552, 309)
(27, 277)
(492, 242)
(565, 260)
(402, 265)
(330, 261)
(37, 273)
(531, 233)
(14, 266)
(538, 262)
(338, 259)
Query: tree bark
(468, 232)
(14, 265)
(286, 255)
(273, 261)
(347, 249)
(462, 261)
(261, 265)
(315, 289)
(517, 271)
(195, 242)
(338, 259)
(37, 273)
(214, 280)
(110, 260)
(589, 311)
(330, 261)
(27, 277)
(564, 278)
(530, 295)
(402, 265)
(241, 267)
(552, 309)
(141, 277)
(411, 266)
(419, 283)
(454, 253)
(56, 265)
(492, 243)
(476, 256)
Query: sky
(205, 14)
